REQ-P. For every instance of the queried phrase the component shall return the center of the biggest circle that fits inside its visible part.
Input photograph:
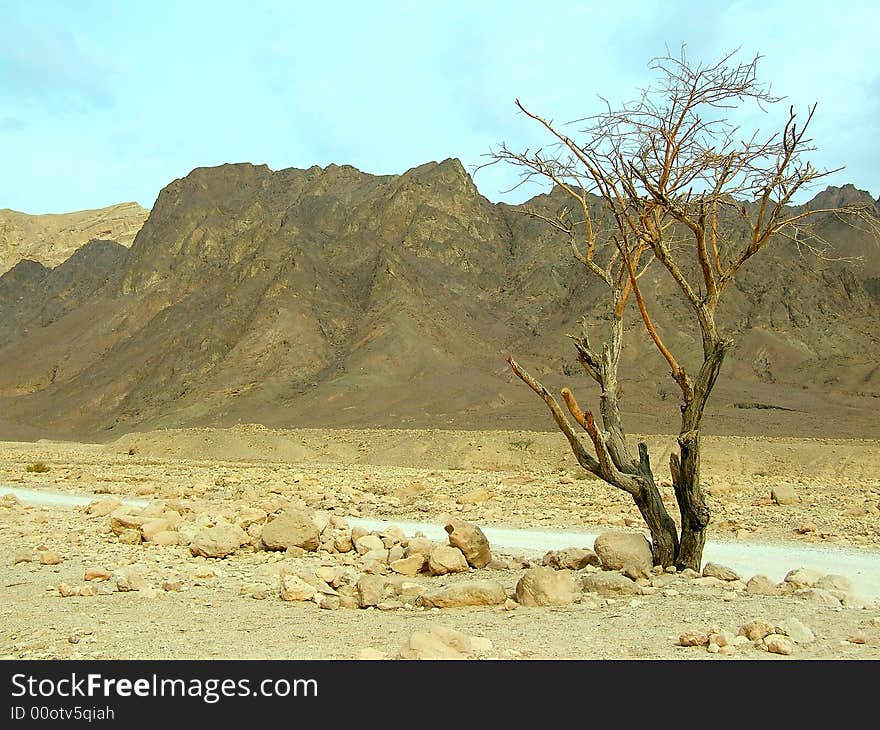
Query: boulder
(218, 541)
(798, 632)
(368, 543)
(570, 559)
(609, 583)
(778, 644)
(441, 642)
(103, 507)
(371, 590)
(477, 496)
(761, 585)
(622, 550)
(471, 541)
(721, 572)
(482, 592)
(802, 577)
(691, 638)
(833, 582)
(419, 546)
(447, 559)
(545, 587)
(293, 528)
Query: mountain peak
(838, 197)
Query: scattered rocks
(778, 644)
(471, 540)
(447, 559)
(784, 494)
(622, 550)
(546, 587)
(97, 574)
(483, 592)
(721, 572)
(293, 528)
(570, 559)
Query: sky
(103, 102)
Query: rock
(371, 590)
(122, 519)
(798, 632)
(510, 605)
(343, 544)
(22, 558)
(778, 644)
(802, 577)
(425, 645)
(720, 638)
(50, 557)
(833, 582)
(218, 541)
(396, 552)
(172, 586)
(691, 638)
(482, 592)
(130, 536)
(477, 496)
(294, 588)
(443, 643)
(818, 595)
(447, 559)
(420, 546)
(784, 494)
(166, 538)
(368, 543)
(471, 540)
(65, 590)
(708, 581)
(609, 583)
(761, 585)
(721, 572)
(857, 639)
(545, 587)
(103, 507)
(97, 574)
(570, 559)
(130, 579)
(756, 630)
(294, 528)
(689, 573)
(378, 556)
(409, 566)
(150, 529)
(620, 550)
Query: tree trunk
(691, 504)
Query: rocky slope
(330, 297)
(52, 238)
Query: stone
(218, 541)
(784, 494)
(447, 559)
(294, 588)
(343, 544)
(708, 581)
(98, 574)
(471, 540)
(798, 632)
(368, 543)
(819, 596)
(103, 507)
(293, 528)
(483, 592)
(378, 556)
(425, 645)
(130, 579)
(761, 585)
(477, 496)
(25, 557)
(150, 529)
(166, 538)
(420, 546)
(545, 587)
(396, 552)
(756, 630)
(720, 638)
(409, 566)
(833, 582)
(570, 559)
(122, 519)
(692, 638)
(50, 557)
(778, 644)
(802, 577)
(721, 572)
(371, 590)
(620, 550)
(130, 536)
(609, 583)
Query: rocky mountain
(331, 297)
(51, 239)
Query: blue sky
(104, 102)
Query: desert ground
(116, 580)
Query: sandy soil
(424, 476)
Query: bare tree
(670, 180)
